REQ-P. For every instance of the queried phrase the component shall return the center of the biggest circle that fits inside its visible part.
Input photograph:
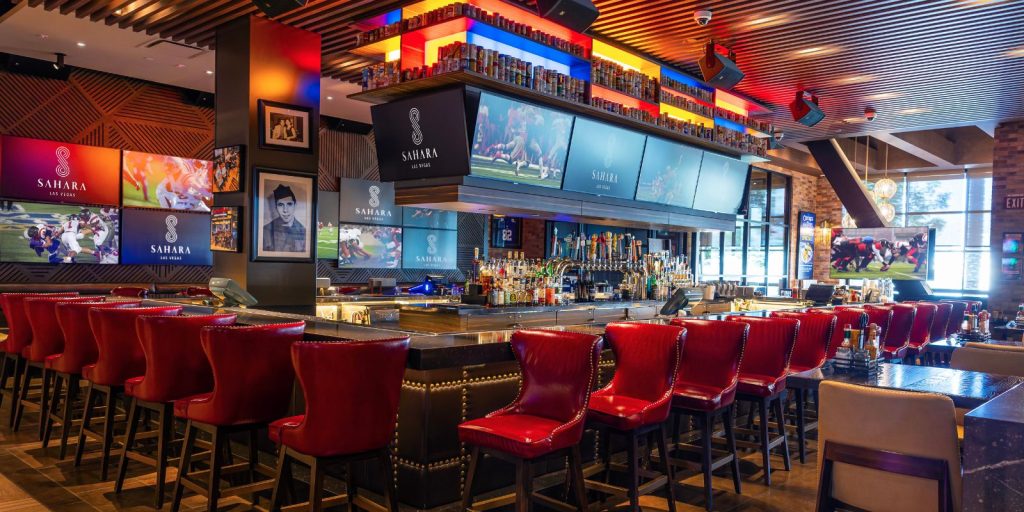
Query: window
(756, 253)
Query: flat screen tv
(162, 181)
(58, 234)
(878, 253)
(58, 172)
(721, 184)
(165, 237)
(430, 248)
(519, 142)
(603, 160)
(225, 235)
(364, 246)
(327, 226)
(413, 217)
(669, 173)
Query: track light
(59, 63)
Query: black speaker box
(806, 110)
(274, 8)
(719, 71)
(35, 67)
(575, 14)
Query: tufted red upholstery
(252, 375)
(897, 337)
(920, 332)
(47, 338)
(129, 291)
(559, 370)
(646, 362)
(19, 331)
(710, 364)
(941, 320)
(956, 316)
(361, 419)
(854, 317)
(120, 353)
(880, 315)
(79, 343)
(176, 366)
(813, 340)
(764, 369)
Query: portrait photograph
(226, 171)
(284, 205)
(285, 126)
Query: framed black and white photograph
(226, 171)
(285, 127)
(283, 209)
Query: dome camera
(702, 16)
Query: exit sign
(1015, 202)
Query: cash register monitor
(231, 293)
(820, 294)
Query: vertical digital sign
(805, 246)
(58, 172)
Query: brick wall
(829, 209)
(1007, 178)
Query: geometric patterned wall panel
(346, 155)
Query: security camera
(702, 16)
(869, 114)
(778, 135)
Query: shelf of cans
(686, 104)
(627, 81)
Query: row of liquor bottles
(459, 9)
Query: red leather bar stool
(196, 291)
(705, 389)
(896, 339)
(856, 318)
(943, 313)
(130, 291)
(808, 354)
(342, 428)
(763, 379)
(880, 315)
(546, 420)
(920, 332)
(47, 340)
(252, 386)
(19, 335)
(176, 367)
(119, 359)
(66, 368)
(956, 316)
(636, 403)
(974, 306)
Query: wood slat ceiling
(935, 62)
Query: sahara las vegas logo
(171, 250)
(431, 257)
(373, 213)
(419, 156)
(62, 187)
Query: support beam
(929, 146)
(848, 186)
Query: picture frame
(227, 174)
(1013, 243)
(226, 229)
(506, 232)
(1010, 268)
(283, 230)
(285, 127)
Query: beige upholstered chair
(981, 357)
(914, 426)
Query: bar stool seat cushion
(57, 363)
(623, 412)
(182, 406)
(88, 371)
(275, 428)
(700, 397)
(131, 384)
(761, 385)
(522, 435)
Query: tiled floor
(32, 479)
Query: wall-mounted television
(878, 253)
(165, 237)
(669, 173)
(57, 234)
(58, 172)
(366, 246)
(327, 225)
(519, 142)
(161, 181)
(603, 160)
(721, 184)
(413, 217)
(430, 248)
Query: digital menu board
(721, 184)
(57, 234)
(361, 246)
(413, 217)
(154, 237)
(669, 173)
(603, 160)
(519, 142)
(162, 181)
(430, 248)
(58, 172)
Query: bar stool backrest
(920, 333)
(79, 341)
(129, 291)
(941, 320)
(646, 361)
(559, 370)
(902, 322)
(770, 345)
(856, 318)
(956, 317)
(120, 353)
(1002, 361)
(712, 353)
(176, 366)
(47, 338)
(19, 331)
(362, 418)
(880, 315)
(813, 340)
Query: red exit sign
(1015, 202)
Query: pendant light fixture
(885, 189)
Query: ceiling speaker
(806, 110)
(274, 8)
(578, 15)
(35, 67)
(718, 70)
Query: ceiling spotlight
(59, 63)
(912, 111)
(80, 44)
(179, 66)
(1016, 52)
(209, 71)
(883, 96)
(854, 79)
(330, 98)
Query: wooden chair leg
(165, 422)
(283, 472)
(184, 465)
(316, 485)
(667, 467)
(216, 463)
(19, 403)
(634, 473)
(467, 491)
(254, 454)
(576, 466)
(44, 401)
(129, 442)
(46, 417)
(730, 438)
(781, 423)
(350, 488)
(706, 424)
(765, 454)
(390, 491)
(67, 415)
(524, 486)
(108, 434)
(90, 395)
(801, 436)
(15, 389)
(4, 374)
